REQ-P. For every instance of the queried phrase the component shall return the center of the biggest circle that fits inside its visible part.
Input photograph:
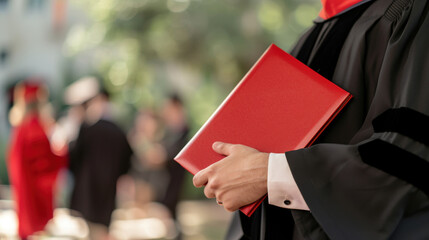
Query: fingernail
(216, 144)
(194, 179)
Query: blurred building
(31, 36)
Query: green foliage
(147, 48)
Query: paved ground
(198, 220)
(203, 220)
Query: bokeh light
(178, 5)
(271, 15)
(118, 73)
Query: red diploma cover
(279, 106)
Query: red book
(279, 106)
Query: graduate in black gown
(98, 157)
(365, 176)
(176, 137)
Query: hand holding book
(237, 180)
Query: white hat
(82, 90)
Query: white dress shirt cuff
(282, 189)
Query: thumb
(223, 148)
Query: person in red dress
(32, 164)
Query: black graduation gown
(365, 177)
(100, 155)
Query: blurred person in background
(33, 161)
(98, 157)
(175, 138)
(149, 170)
